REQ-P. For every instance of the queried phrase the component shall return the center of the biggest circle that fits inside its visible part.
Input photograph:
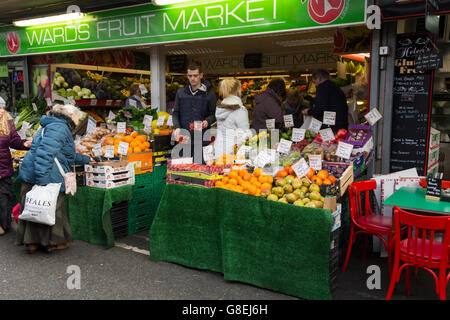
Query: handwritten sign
(284, 146)
(263, 158)
(34, 107)
(97, 150)
(49, 102)
(315, 161)
(170, 121)
(329, 118)
(288, 121)
(123, 148)
(109, 152)
(344, 150)
(327, 134)
(315, 125)
(298, 134)
(208, 153)
(143, 89)
(373, 116)
(270, 124)
(91, 125)
(111, 115)
(301, 168)
(121, 126)
(434, 186)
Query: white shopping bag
(40, 204)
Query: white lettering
(231, 13)
(58, 35)
(199, 21)
(220, 16)
(182, 15)
(374, 281)
(100, 29)
(124, 28)
(74, 281)
(34, 37)
(118, 28)
(253, 10)
(49, 38)
(67, 33)
(148, 22)
(374, 18)
(80, 32)
(274, 9)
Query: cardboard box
(435, 138)
(345, 178)
(366, 148)
(142, 162)
(107, 167)
(108, 184)
(337, 217)
(109, 176)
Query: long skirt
(6, 194)
(41, 234)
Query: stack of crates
(140, 207)
(119, 219)
(159, 184)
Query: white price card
(91, 125)
(161, 120)
(243, 150)
(22, 134)
(93, 102)
(111, 115)
(315, 125)
(49, 102)
(315, 161)
(71, 100)
(109, 152)
(329, 118)
(25, 126)
(97, 150)
(143, 89)
(373, 116)
(344, 150)
(108, 103)
(270, 124)
(34, 107)
(262, 159)
(121, 127)
(298, 134)
(198, 125)
(327, 134)
(284, 146)
(132, 103)
(170, 121)
(208, 153)
(301, 168)
(148, 119)
(289, 121)
(127, 114)
(182, 161)
(123, 148)
(147, 126)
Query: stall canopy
(195, 20)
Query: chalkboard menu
(411, 104)
(434, 186)
(177, 63)
(428, 61)
(253, 60)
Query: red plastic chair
(420, 249)
(363, 220)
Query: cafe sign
(149, 24)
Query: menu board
(177, 63)
(411, 104)
(428, 61)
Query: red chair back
(420, 236)
(355, 191)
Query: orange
(247, 176)
(258, 193)
(233, 174)
(332, 178)
(289, 170)
(141, 138)
(282, 173)
(317, 180)
(134, 134)
(133, 144)
(109, 141)
(116, 141)
(326, 181)
(266, 185)
(258, 184)
(269, 179)
(240, 180)
(311, 173)
(322, 174)
(219, 184)
(253, 179)
(252, 190)
(225, 180)
(243, 172)
(137, 149)
(147, 145)
(233, 182)
(257, 172)
(130, 150)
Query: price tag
(301, 168)
(143, 89)
(270, 124)
(108, 103)
(298, 134)
(91, 125)
(109, 152)
(111, 115)
(49, 102)
(243, 150)
(344, 150)
(315, 161)
(264, 157)
(93, 102)
(170, 121)
(22, 134)
(208, 153)
(315, 125)
(198, 125)
(327, 134)
(373, 116)
(182, 161)
(127, 114)
(161, 120)
(148, 119)
(147, 126)
(97, 150)
(16, 120)
(34, 107)
(289, 121)
(329, 118)
(25, 126)
(284, 146)
(71, 100)
(123, 148)
(132, 103)
(121, 127)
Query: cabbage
(76, 88)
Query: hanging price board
(284, 146)
(109, 152)
(208, 153)
(301, 168)
(121, 126)
(344, 150)
(327, 134)
(329, 118)
(315, 161)
(123, 148)
(25, 126)
(373, 116)
(270, 124)
(289, 121)
(315, 125)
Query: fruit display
(300, 192)
(309, 136)
(242, 181)
(134, 117)
(358, 135)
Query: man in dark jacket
(329, 97)
(195, 102)
(268, 105)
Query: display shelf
(102, 103)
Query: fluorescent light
(50, 19)
(166, 2)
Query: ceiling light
(166, 2)
(73, 13)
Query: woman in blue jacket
(54, 139)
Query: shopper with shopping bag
(9, 138)
(52, 144)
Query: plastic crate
(139, 225)
(143, 179)
(140, 206)
(142, 193)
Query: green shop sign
(149, 24)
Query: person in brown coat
(268, 105)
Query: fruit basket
(343, 172)
(358, 135)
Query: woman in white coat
(232, 118)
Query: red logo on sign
(325, 11)
(12, 42)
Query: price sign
(143, 89)
(121, 126)
(327, 134)
(315, 161)
(289, 121)
(93, 102)
(22, 134)
(161, 120)
(301, 168)
(132, 103)
(97, 150)
(25, 126)
(148, 119)
(262, 159)
(284, 146)
(373, 116)
(71, 100)
(270, 123)
(91, 125)
(208, 153)
(170, 121)
(34, 107)
(109, 152)
(198, 125)
(329, 118)
(111, 115)
(315, 125)
(243, 150)
(49, 102)
(344, 150)
(127, 114)
(108, 103)
(123, 148)
(298, 134)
